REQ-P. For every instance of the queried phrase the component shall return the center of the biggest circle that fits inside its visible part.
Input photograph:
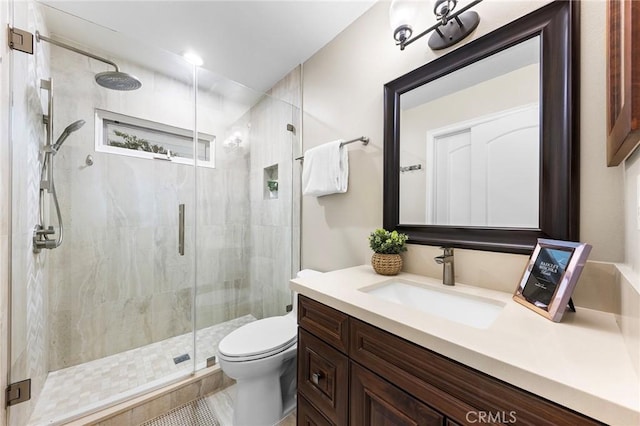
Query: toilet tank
(301, 274)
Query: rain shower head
(118, 80)
(115, 80)
(65, 134)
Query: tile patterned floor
(84, 387)
(195, 413)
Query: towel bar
(364, 139)
(404, 169)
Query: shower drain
(181, 358)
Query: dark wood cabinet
(352, 373)
(461, 392)
(376, 402)
(323, 375)
(307, 415)
(623, 79)
(327, 323)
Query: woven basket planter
(386, 264)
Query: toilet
(261, 357)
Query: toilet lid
(259, 337)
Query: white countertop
(581, 362)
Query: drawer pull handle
(315, 378)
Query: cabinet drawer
(323, 375)
(307, 415)
(330, 325)
(453, 388)
(376, 402)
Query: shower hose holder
(41, 238)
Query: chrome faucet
(446, 260)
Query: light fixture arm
(441, 23)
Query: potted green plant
(272, 186)
(387, 246)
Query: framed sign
(551, 276)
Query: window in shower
(136, 137)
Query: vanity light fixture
(451, 28)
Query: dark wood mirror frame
(557, 24)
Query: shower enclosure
(180, 208)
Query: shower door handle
(181, 229)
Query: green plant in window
(136, 143)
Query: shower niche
(270, 180)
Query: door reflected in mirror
(475, 135)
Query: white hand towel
(325, 170)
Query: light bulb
(401, 17)
(442, 8)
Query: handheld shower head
(65, 134)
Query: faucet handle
(448, 251)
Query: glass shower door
(248, 209)
(109, 313)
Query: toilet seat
(259, 339)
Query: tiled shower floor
(82, 387)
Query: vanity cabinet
(352, 373)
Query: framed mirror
(481, 145)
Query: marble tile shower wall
(29, 290)
(274, 222)
(118, 282)
(223, 289)
(289, 90)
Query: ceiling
(255, 43)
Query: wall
(342, 88)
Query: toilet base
(259, 403)
(265, 410)
(263, 400)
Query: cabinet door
(323, 377)
(307, 415)
(376, 402)
(328, 324)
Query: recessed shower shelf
(270, 183)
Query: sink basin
(474, 311)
